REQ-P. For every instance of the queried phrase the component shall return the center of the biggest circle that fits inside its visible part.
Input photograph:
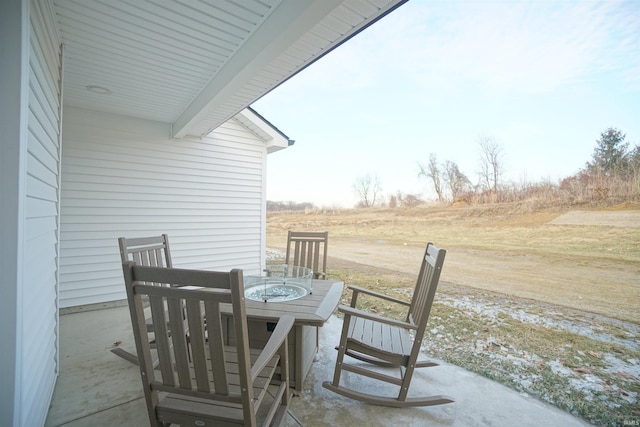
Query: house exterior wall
(126, 177)
(32, 188)
(39, 303)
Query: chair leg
(406, 381)
(341, 350)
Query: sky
(543, 79)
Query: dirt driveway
(521, 276)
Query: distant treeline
(289, 206)
(612, 176)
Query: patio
(96, 388)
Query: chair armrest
(350, 311)
(284, 325)
(358, 289)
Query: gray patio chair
(150, 251)
(308, 249)
(200, 380)
(383, 342)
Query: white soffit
(195, 64)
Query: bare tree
(491, 155)
(432, 172)
(368, 189)
(456, 181)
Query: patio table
(310, 313)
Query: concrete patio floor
(95, 388)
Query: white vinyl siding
(39, 303)
(125, 177)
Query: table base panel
(303, 345)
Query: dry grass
(503, 248)
(550, 310)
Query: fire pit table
(310, 311)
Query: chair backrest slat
(175, 308)
(198, 348)
(161, 337)
(308, 249)
(315, 253)
(216, 349)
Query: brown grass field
(545, 301)
(584, 260)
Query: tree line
(612, 172)
(289, 206)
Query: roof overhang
(274, 139)
(196, 64)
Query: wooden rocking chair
(386, 342)
(308, 249)
(150, 251)
(218, 385)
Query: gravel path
(604, 218)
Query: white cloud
(529, 47)
(345, 68)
